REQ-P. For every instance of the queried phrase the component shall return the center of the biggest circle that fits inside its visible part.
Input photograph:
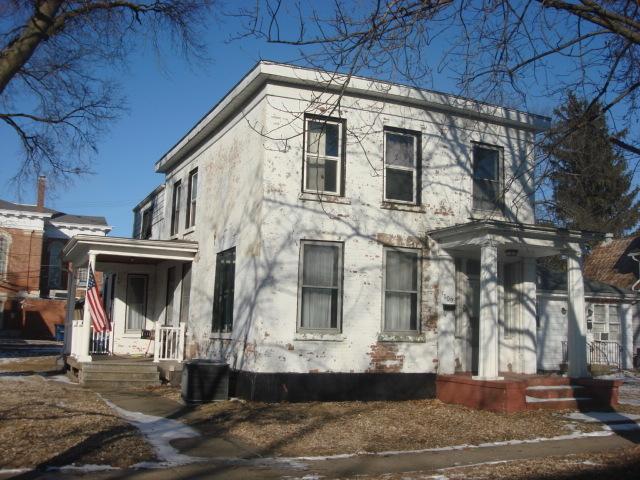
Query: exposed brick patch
(401, 241)
(290, 347)
(385, 358)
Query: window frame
(499, 204)
(416, 170)
(190, 217)
(146, 302)
(340, 276)
(5, 252)
(146, 230)
(341, 159)
(222, 328)
(591, 315)
(386, 249)
(176, 200)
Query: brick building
(32, 274)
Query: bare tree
(57, 61)
(499, 51)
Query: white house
(323, 236)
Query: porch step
(544, 381)
(536, 403)
(117, 374)
(555, 391)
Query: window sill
(406, 207)
(318, 336)
(402, 337)
(320, 197)
(133, 334)
(221, 336)
(189, 231)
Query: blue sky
(164, 101)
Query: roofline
(23, 213)
(149, 196)
(264, 72)
(186, 246)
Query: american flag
(100, 322)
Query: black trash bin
(205, 381)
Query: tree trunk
(18, 52)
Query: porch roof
(528, 239)
(127, 250)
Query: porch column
(85, 332)
(528, 336)
(71, 303)
(446, 314)
(489, 328)
(626, 335)
(577, 330)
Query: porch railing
(169, 343)
(599, 352)
(100, 343)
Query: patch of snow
(13, 471)
(555, 387)
(61, 378)
(563, 399)
(86, 468)
(602, 417)
(159, 432)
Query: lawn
(45, 422)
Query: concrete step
(534, 403)
(119, 385)
(120, 376)
(556, 391)
(548, 381)
(120, 367)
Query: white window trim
(174, 219)
(418, 253)
(6, 253)
(501, 200)
(339, 158)
(607, 321)
(299, 328)
(414, 170)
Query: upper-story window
(5, 241)
(323, 156)
(191, 199)
(488, 178)
(401, 166)
(175, 208)
(145, 229)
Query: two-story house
(339, 239)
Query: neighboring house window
(81, 277)
(171, 288)
(488, 183)
(323, 156)
(185, 293)
(191, 199)
(224, 291)
(320, 286)
(145, 230)
(136, 300)
(401, 290)
(175, 208)
(401, 166)
(5, 242)
(604, 322)
(55, 265)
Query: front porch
(146, 287)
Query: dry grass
(300, 429)
(44, 422)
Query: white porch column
(446, 314)
(85, 332)
(528, 336)
(71, 303)
(577, 331)
(626, 335)
(489, 329)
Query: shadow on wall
(33, 318)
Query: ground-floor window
(604, 322)
(401, 290)
(224, 291)
(320, 286)
(136, 301)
